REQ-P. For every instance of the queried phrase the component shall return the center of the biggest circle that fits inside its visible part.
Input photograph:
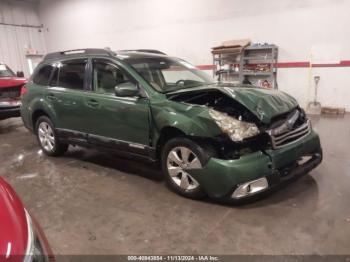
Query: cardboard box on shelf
(231, 46)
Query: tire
(47, 137)
(173, 161)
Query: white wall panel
(189, 29)
(14, 39)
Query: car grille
(10, 92)
(295, 127)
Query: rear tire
(179, 154)
(47, 137)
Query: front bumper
(220, 178)
(7, 112)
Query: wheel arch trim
(42, 108)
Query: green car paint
(141, 121)
(251, 167)
(192, 120)
(219, 177)
(264, 103)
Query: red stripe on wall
(343, 63)
(292, 64)
(205, 67)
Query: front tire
(179, 155)
(47, 137)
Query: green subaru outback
(221, 140)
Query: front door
(116, 121)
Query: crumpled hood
(264, 103)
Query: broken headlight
(236, 129)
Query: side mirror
(126, 89)
(20, 74)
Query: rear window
(5, 71)
(43, 75)
(70, 74)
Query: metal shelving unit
(226, 66)
(255, 64)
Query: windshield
(167, 74)
(5, 71)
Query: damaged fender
(192, 120)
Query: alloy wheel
(179, 160)
(46, 136)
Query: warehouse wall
(14, 40)
(304, 30)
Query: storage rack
(254, 64)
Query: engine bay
(217, 101)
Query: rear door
(67, 91)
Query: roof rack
(153, 51)
(86, 51)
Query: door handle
(52, 97)
(93, 103)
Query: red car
(21, 238)
(10, 92)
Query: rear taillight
(23, 90)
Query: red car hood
(13, 225)
(11, 81)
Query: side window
(43, 75)
(106, 76)
(153, 76)
(54, 78)
(71, 74)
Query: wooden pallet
(333, 110)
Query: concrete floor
(92, 203)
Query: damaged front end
(240, 128)
(10, 102)
(273, 137)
